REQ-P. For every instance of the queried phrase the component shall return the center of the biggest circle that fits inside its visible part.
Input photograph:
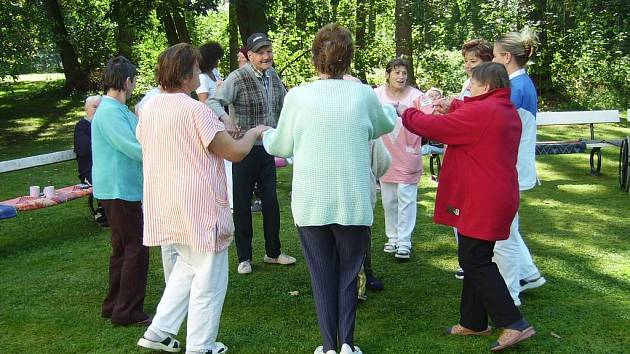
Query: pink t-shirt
(403, 146)
(185, 196)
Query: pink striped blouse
(185, 196)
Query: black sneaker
(373, 283)
(100, 218)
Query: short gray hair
(92, 98)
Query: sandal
(511, 337)
(459, 330)
(168, 344)
(390, 248)
(403, 253)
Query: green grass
(53, 262)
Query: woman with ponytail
(514, 50)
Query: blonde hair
(521, 45)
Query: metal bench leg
(596, 171)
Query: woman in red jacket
(478, 194)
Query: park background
(53, 262)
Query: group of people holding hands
(163, 180)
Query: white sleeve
(203, 84)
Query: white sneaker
(320, 350)
(245, 267)
(283, 259)
(217, 348)
(346, 349)
(168, 344)
(532, 283)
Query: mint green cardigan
(116, 153)
(326, 126)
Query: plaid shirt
(254, 97)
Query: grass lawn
(53, 262)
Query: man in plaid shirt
(254, 94)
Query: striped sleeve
(207, 124)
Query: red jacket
(478, 190)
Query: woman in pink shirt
(399, 186)
(185, 202)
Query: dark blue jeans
(334, 255)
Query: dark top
(83, 149)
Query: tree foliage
(582, 62)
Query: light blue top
(326, 126)
(116, 153)
(523, 92)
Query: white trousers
(196, 288)
(400, 203)
(514, 260)
(228, 178)
(169, 257)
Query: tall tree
(251, 16)
(75, 77)
(233, 31)
(360, 39)
(402, 37)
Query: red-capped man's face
(261, 59)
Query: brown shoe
(459, 330)
(141, 323)
(510, 337)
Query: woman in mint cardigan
(327, 125)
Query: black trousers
(334, 254)
(258, 167)
(128, 264)
(484, 292)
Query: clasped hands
(441, 106)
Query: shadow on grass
(36, 111)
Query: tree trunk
(125, 36)
(233, 32)
(473, 12)
(75, 77)
(179, 20)
(402, 37)
(360, 40)
(371, 31)
(251, 17)
(169, 26)
(334, 4)
(542, 77)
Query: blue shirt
(523, 92)
(116, 153)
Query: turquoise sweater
(326, 126)
(116, 153)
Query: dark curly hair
(211, 53)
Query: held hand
(219, 83)
(231, 128)
(442, 105)
(260, 129)
(400, 109)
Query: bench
(576, 146)
(10, 207)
